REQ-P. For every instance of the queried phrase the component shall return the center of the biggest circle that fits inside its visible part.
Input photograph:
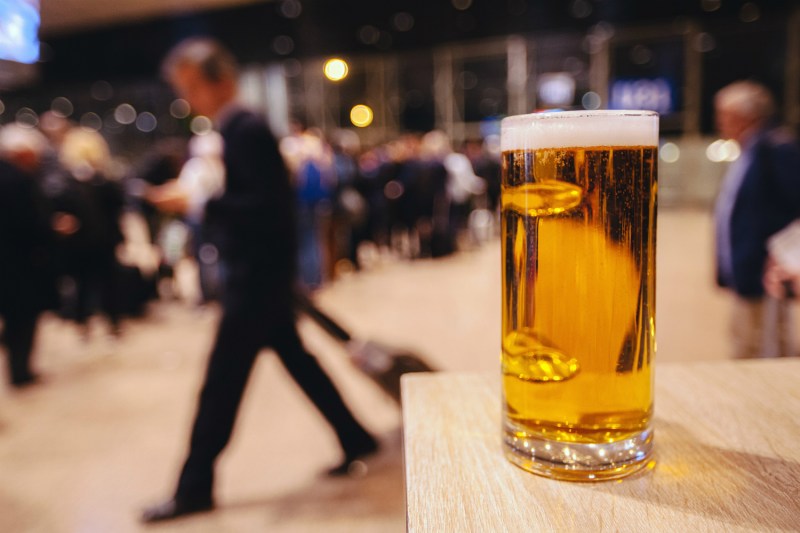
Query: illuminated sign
(654, 94)
(19, 25)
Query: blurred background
(454, 66)
(353, 89)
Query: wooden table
(727, 441)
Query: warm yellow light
(361, 115)
(336, 69)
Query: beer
(578, 330)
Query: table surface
(726, 450)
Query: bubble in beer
(543, 198)
(528, 359)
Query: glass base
(578, 461)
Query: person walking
(27, 280)
(254, 223)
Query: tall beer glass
(578, 238)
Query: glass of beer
(578, 331)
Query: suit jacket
(253, 222)
(768, 200)
(27, 282)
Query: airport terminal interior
(103, 431)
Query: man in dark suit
(760, 195)
(27, 283)
(254, 224)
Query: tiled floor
(104, 435)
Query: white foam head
(570, 129)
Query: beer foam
(568, 129)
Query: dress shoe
(175, 508)
(27, 380)
(353, 459)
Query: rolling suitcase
(383, 364)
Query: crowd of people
(60, 232)
(413, 196)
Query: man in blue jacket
(760, 195)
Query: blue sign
(19, 26)
(652, 94)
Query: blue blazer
(767, 201)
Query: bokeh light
(402, 21)
(591, 100)
(201, 125)
(361, 115)
(336, 69)
(180, 108)
(27, 117)
(125, 114)
(369, 34)
(283, 45)
(292, 68)
(669, 152)
(102, 90)
(61, 106)
(291, 9)
(722, 150)
(91, 121)
(749, 12)
(146, 122)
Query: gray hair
(747, 99)
(15, 138)
(214, 61)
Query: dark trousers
(242, 334)
(18, 334)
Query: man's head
(203, 72)
(742, 108)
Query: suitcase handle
(324, 321)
